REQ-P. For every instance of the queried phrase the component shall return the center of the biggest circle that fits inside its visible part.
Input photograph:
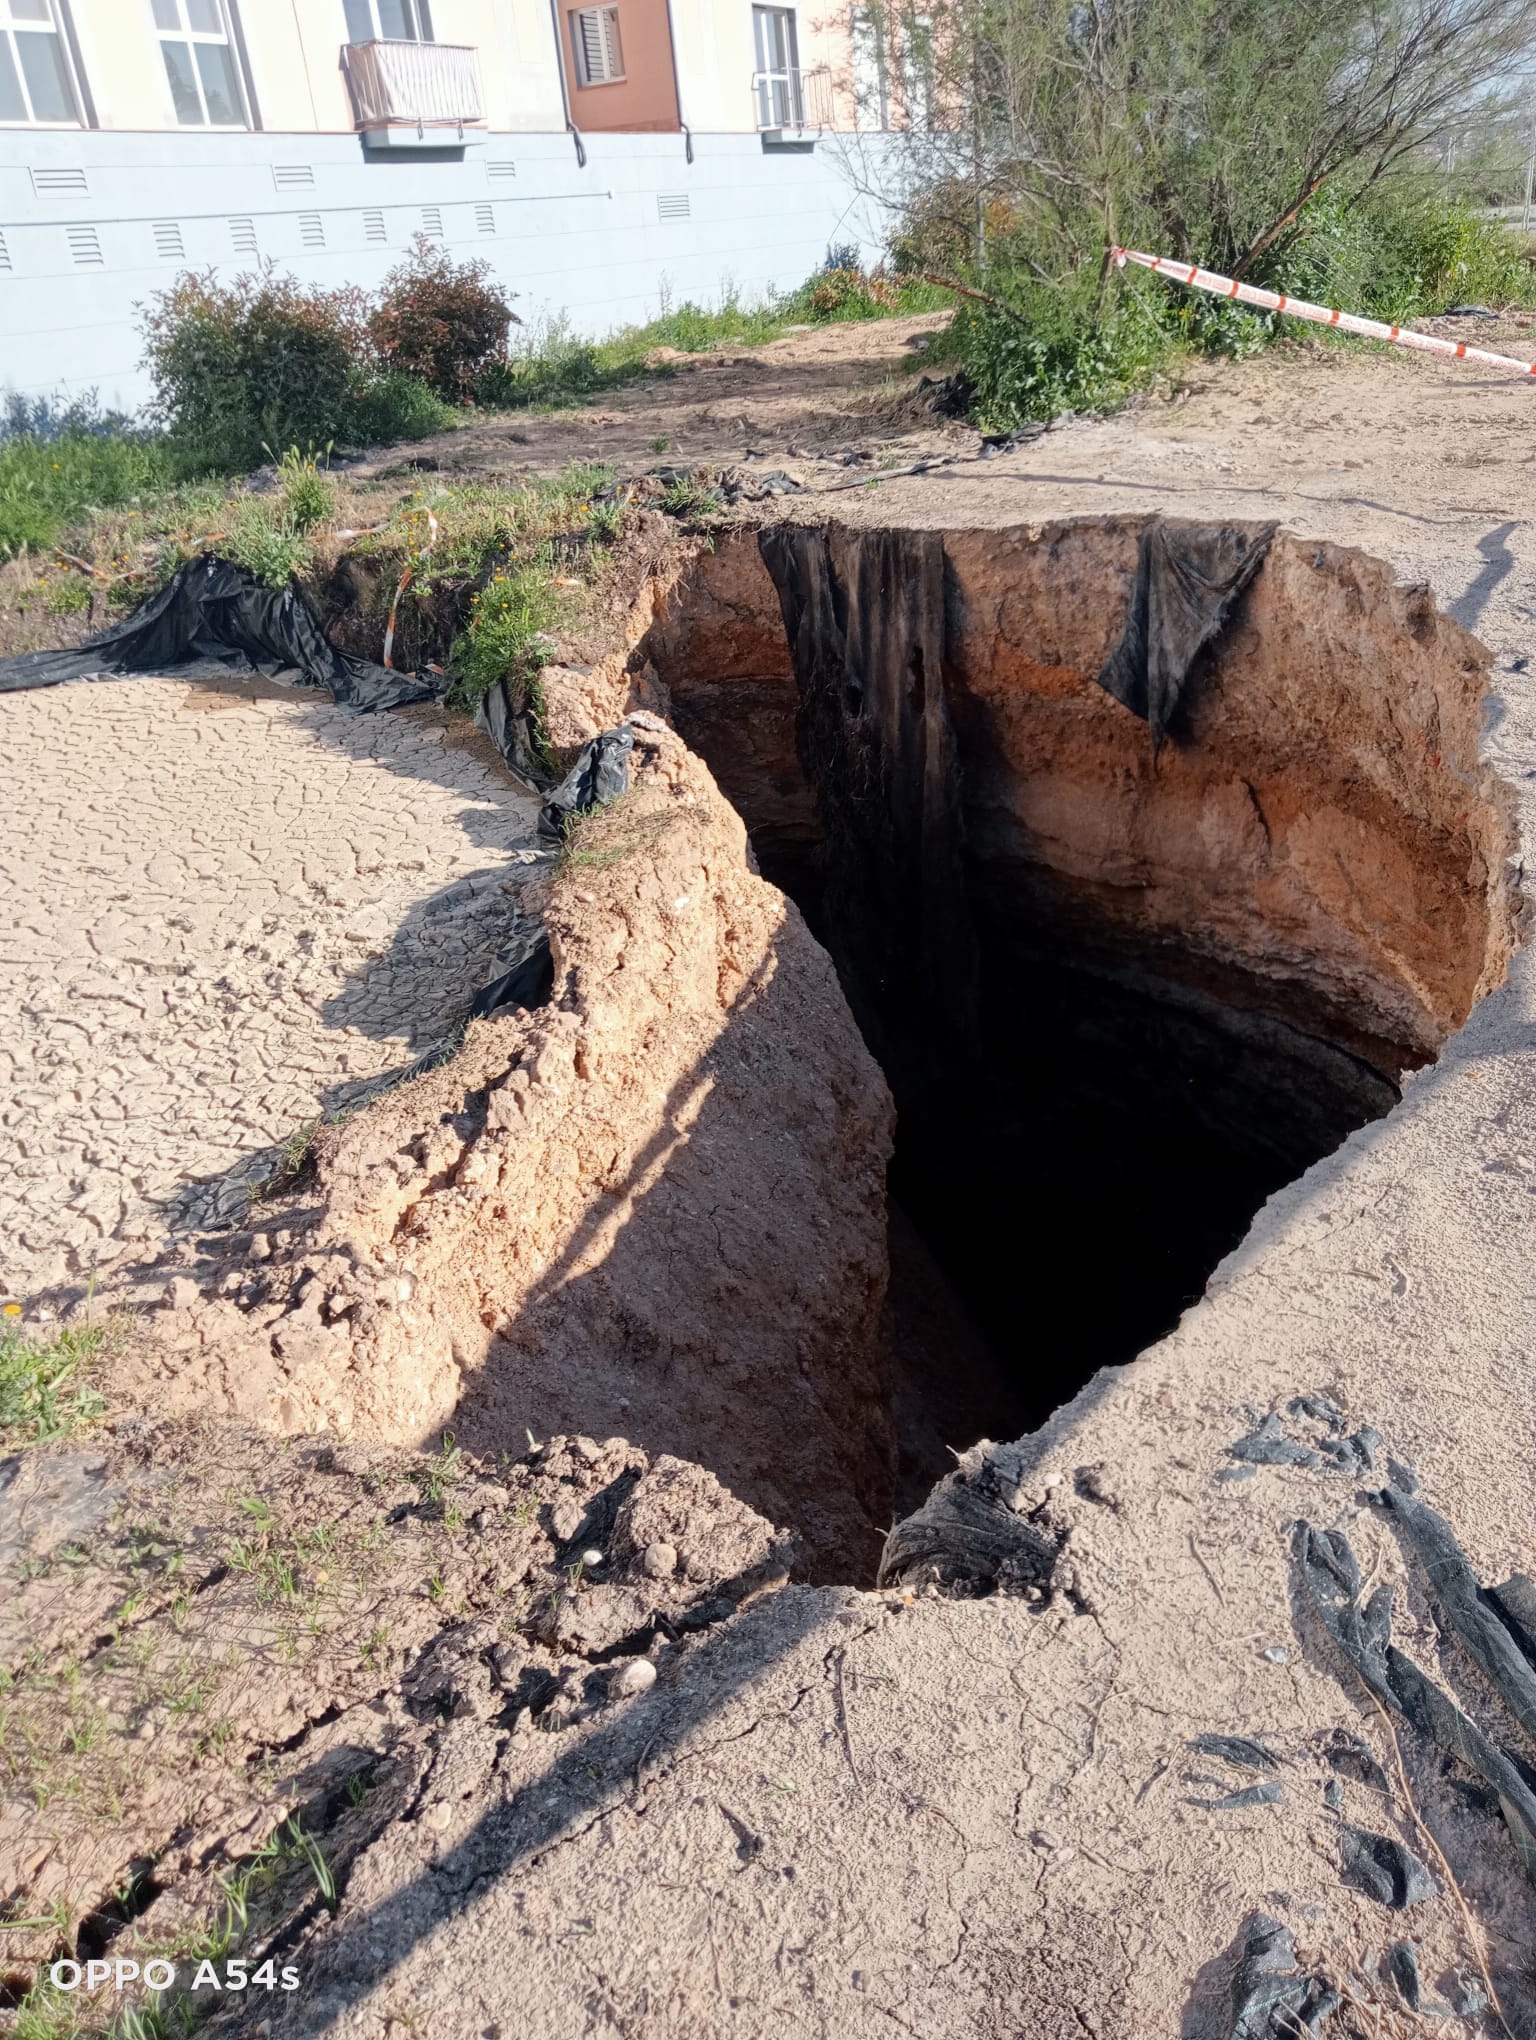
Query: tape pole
(1321, 315)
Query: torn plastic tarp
(968, 1535)
(600, 774)
(1380, 1866)
(506, 715)
(1476, 1619)
(1271, 1998)
(1187, 578)
(1330, 1573)
(214, 616)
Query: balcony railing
(417, 85)
(792, 99)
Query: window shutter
(589, 45)
(613, 55)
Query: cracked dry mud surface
(227, 907)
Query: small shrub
(506, 634)
(605, 523)
(385, 408)
(308, 497)
(69, 595)
(263, 361)
(686, 496)
(441, 321)
(550, 367)
(264, 541)
(1060, 350)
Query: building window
(199, 58)
(35, 80)
(388, 21)
(917, 70)
(871, 71)
(777, 82)
(595, 44)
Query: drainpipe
(565, 96)
(677, 89)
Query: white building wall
(93, 222)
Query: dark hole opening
(1091, 1108)
(1061, 1195)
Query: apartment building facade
(601, 158)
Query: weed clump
(45, 1386)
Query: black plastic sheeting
(600, 774)
(214, 616)
(864, 616)
(968, 1536)
(1271, 1998)
(1187, 578)
(1380, 1866)
(1330, 1575)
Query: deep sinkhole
(1120, 998)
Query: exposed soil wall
(655, 1207)
(1320, 838)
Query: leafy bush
(1059, 350)
(49, 480)
(1399, 253)
(264, 539)
(506, 637)
(263, 361)
(441, 321)
(385, 408)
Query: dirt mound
(656, 1205)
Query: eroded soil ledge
(654, 1214)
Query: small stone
(181, 1293)
(660, 1561)
(637, 1676)
(506, 1664)
(1277, 1654)
(261, 1247)
(592, 1557)
(565, 1519)
(405, 1289)
(437, 1817)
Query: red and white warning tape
(1320, 315)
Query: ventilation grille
(672, 205)
(498, 173)
(5, 255)
(311, 230)
(168, 242)
(374, 228)
(59, 184)
(85, 248)
(243, 234)
(432, 221)
(485, 218)
(293, 176)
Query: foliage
(265, 541)
(51, 477)
(386, 408)
(506, 636)
(550, 367)
(44, 1392)
(439, 320)
(263, 361)
(1056, 350)
(308, 497)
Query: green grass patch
(45, 1386)
(551, 368)
(48, 484)
(507, 636)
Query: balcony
(420, 95)
(792, 101)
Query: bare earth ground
(226, 908)
(853, 1814)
